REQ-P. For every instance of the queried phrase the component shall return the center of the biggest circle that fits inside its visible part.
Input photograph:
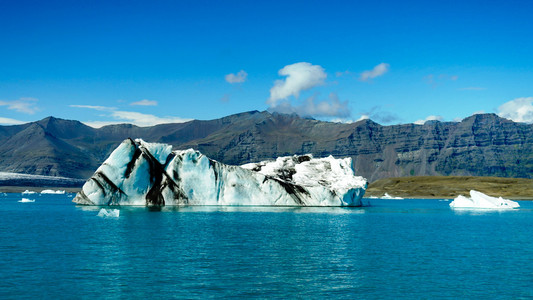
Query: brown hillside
(451, 187)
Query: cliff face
(480, 145)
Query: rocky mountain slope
(480, 145)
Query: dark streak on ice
(87, 201)
(129, 168)
(106, 184)
(169, 158)
(212, 164)
(303, 158)
(286, 174)
(293, 190)
(157, 171)
(99, 185)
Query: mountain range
(480, 145)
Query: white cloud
(457, 119)
(145, 102)
(130, 117)
(429, 118)
(8, 121)
(377, 71)
(363, 117)
(95, 107)
(342, 120)
(332, 107)
(378, 114)
(98, 124)
(518, 110)
(300, 76)
(141, 119)
(23, 105)
(240, 77)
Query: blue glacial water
(393, 249)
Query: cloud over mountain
(23, 105)
(332, 107)
(518, 110)
(299, 77)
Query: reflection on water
(482, 211)
(407, 206)
(222, 208)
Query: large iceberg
(480, 200)
(141, 173)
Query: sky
(151, 62)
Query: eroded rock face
(140, 173)
(480, 145)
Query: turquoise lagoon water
(392, 249)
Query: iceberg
(58, 192)
(25, 200)
(110, 213)
(480, 200)
(152, 174)
(387, 196)
(28, 192)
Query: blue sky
(147, 62)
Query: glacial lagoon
(407, 248)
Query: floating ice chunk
(480, 200)
(52, 192)
(140, 173)
(26, 200)
(109, 213)
(28, 192)
(387, 196)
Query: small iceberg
(480, 200)
(387, 196)
(28, 192)
(25, 200)
(109, 213)
(52, 192)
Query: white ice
(28, 192)
(8, 175)
(52, 192)
(109, 213)
(480, 200)
(387, 196)
(203, 181)
(25, 200)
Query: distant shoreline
(20, 189)
(417, 187)
(449, 187)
